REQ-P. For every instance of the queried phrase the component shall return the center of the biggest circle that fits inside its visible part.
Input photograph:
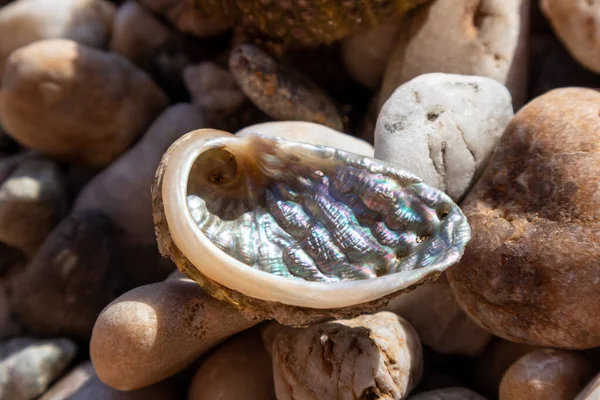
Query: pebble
(471, 37)
(70, 280)
(28, 366)
(372, 356)
(32, 201)
(157, 330)
(365, 55)
(432, 310)
(239, 369)
(88, 22)
(82, 383)
(490, 366)
(529, 272)
(443, 128)
(546, 374)
(577, 24)
(312, 133)
(454, 393)
(280, 92)
(76, 103)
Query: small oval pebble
(28, 366)
(280, 92)
(76, 103)
(239, 369)
(372, 357)
(546, 374)
(155, 331)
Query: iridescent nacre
(304, 225)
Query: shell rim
(300, 293)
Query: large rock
(75, 102)
(471, 37)
(530, 272)
(28, 366)
(443, 128)
(577, 24)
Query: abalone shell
(318, 213)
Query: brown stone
(545, 374)
(530, 272)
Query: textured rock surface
(312, 133)
(82, 383)
(577, 24)
(155, 331)
(241, 368)
(23, 22)
(443, 128)
(529, 273)
(371, 356)
(28, 366)
(455, 393)
(472, 37)
(32, 201)
(439, 321)
(365, 55)
(75, 102)
(280, 92)
(546, 374)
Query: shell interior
(316, 213)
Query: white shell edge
(233, 274)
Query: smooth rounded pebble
(28, 366)
(577, 24)
(155, 331)
(312, 133)
(375, 356)
(441, 324)
(33, 199)
(82, 383)
(443, 128)
(76, 103)
(239, 369)
(529, 272)
(472, 37)
(546, 374)
(22, 22)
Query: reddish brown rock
(530, 273)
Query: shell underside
(320, 214)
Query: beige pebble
(22, 22)
(155, 331)
(76, 103)
(577, 24)
(546, 374)
(312, 133)
(239, 369)
(470, 37)
(375, 356)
